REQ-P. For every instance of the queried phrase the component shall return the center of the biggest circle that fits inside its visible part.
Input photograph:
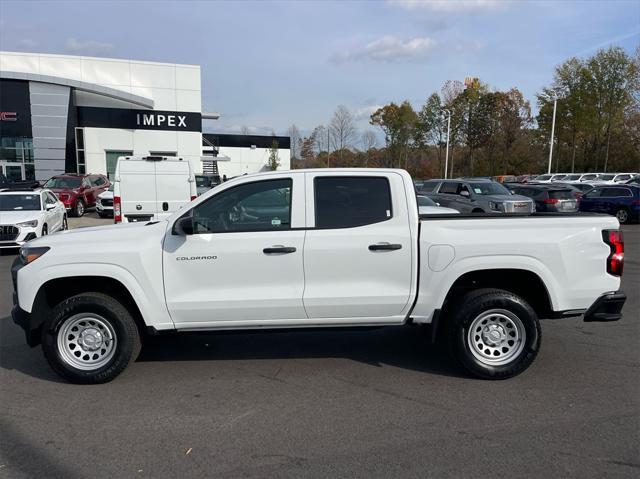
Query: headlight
(28, 224)
(494, 206)
(30, 254)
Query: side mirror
(183, 227)
(50, 206)
(465, 193)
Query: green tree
(274, 159)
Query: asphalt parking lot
(379, 403)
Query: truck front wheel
(90, 338)
(494, 333)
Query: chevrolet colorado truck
(316, 248)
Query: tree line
(492, 132)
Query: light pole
(553, 128)
(446, 155)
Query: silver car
(476, 196)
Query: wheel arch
(522, 282)
(56, 290)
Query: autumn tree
(398, 123)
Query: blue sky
(267, 65)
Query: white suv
(28, 214)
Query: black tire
(623, 216)
(127, 337)
(65, 223)
(45, 230)
(79, 208)
(102, 215)
(501, 309)
(477, 211)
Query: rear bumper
(607, 307)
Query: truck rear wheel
(494, 333)
(90, 338)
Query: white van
(149, 188)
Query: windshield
(607, 177)
(543, 177)
(426, 201)
(489, 189)
(558, 177)
(19, 202)
(63, 183)
(589, 177)
(572, 177)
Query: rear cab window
(351, 201)
(561, 194)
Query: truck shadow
(403, 347)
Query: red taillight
(117, 210)
(551, 201)
(193, 198)
(615, 261)
(635, 203)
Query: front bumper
(607, 307)
(25, 234)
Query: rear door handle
(384, 247)
(279, 250)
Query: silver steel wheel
(86, 341)
(622, 215)
(496, 337)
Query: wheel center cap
(91, 339)
(493, 334)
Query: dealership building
(61, 113)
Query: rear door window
(616, 192)
(348, 202)
(450, 187)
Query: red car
(78, 192)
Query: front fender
(150, 303)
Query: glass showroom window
(18, 151)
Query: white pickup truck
(316, 248)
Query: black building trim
(161, 120)
(246, 141)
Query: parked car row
(597, 178)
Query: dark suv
(78, 192)
(550, 198)
(623, 201)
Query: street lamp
(446, 156)
(553, 128)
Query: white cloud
(449, 6)
(365, 112)
(390, 49)
(89, 47)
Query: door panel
(344, 277)
(228, 277)
(245, 262)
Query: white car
(426, 206)
(104, 203)
(29, 214)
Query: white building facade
(61, 113)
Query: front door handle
(279, 250)
(384, 247)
